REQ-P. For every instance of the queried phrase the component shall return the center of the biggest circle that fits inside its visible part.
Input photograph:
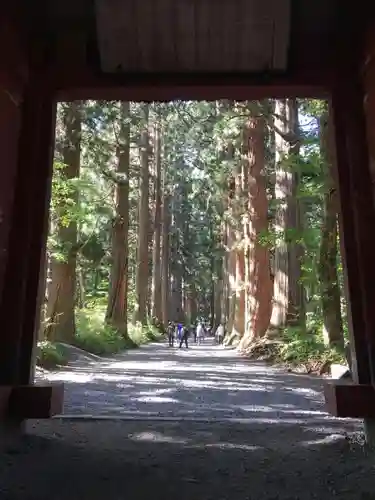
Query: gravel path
(206, 382)
(278, 444)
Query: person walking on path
(184, 332)
(220, 334)
(200, 333)
(170, 331)
(178, 332)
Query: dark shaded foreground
(185, 460)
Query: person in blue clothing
(184, 335)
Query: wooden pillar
(27, 222)
(18, 308)
(357, 221)
(357, 217)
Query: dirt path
(277, 444)
(206, 382)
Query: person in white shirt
(220, 334)
(200, 333)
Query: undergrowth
(296, 348)
(95, 336)
(50, 355)
(307, 348)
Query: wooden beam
(167, 87)
(357, 209)
(350, 400)
(5, 392)
(36, 401)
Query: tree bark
(62, 288)
(328, 275)
(156, 277)
(219, 294)
(176, 294)
(236, 257)
(80, 288)
(165, 253)
(258, 284)
(289, 303)
(116, 314)
(140, 313)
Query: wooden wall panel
(369, 101)
(13, 76)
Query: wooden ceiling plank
(281, 37)
(185, 23)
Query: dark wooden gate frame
(37, 95)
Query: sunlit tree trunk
(225, 274)
(219, 294)
(156, 259)
(212, 272)
(116, 313)
(43, 294)
(193, 303)
(62, 288)
(289, 304)
(231, 266)
(328, 275)
(236, 258)
(258, 285)
(81, 292)
(176, 294)
(239, 315)
(140, 313)
(165, 254)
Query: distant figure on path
(178, 332)
(220, 334)
(184, 332)
(170, 331)
(200, 333)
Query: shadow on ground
(232, 430)
(205, 382)
(169, 460)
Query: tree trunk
(156, 276)
(219, 293)
(165, 261)
(213, 288)
(80, 288)
(62, 288)
(116, 314)
(237, 259)
(258, 284)
(289, 304)
(232, 281)
(140, 313)
(176, 294)
(239, 312)
(225, 276)
(43, 294)
(328, 275)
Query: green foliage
(307, 348)
(93, 335)
(50, 355)
(142, 334)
